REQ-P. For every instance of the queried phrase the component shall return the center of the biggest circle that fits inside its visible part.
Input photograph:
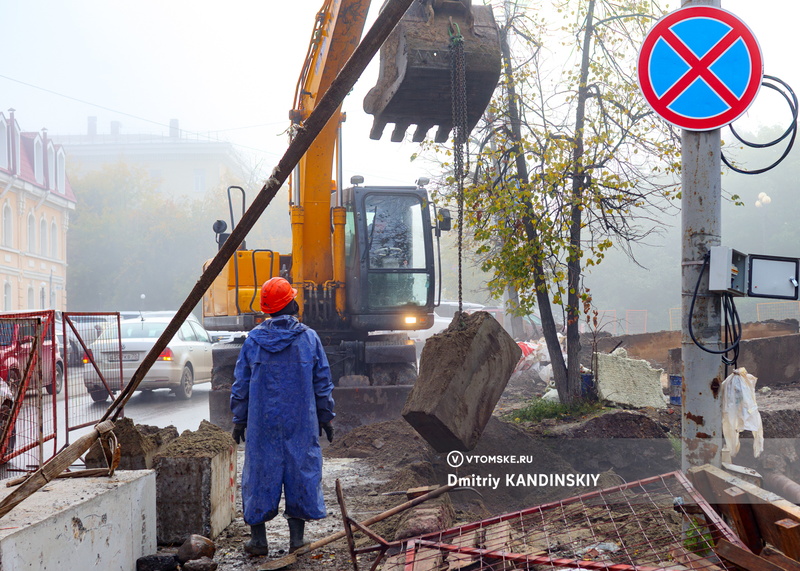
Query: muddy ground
(615, 445)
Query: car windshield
(136, 330)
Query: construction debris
(628, 382)
(195, 547)
(139, 445)
(463, 371)
(636, 526)
(758, 516)
(157, 563)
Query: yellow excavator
(363, 257)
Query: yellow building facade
(35, 205)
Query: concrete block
(462, 374)
(81, 523)
(196, 485)
(138, 443)
(631, 382)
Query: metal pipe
(783, 486)
(339, 216)
(339, 162)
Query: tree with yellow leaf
(571, 162)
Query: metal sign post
(700, 68)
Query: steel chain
(458, 92)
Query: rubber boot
(297, 528)
(258, 540)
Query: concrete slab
(462, 374)
(631, 382)
(98, 523)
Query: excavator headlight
(411, 319)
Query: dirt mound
(388, 444)
(205, 442)
(618, 425)
(395, 447)
(139, 443)
(633, 445)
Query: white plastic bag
(740, 411)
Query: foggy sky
(229, 71)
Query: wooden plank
(692, 561)
(458, 561)
(497, 537)
(743, 558)
(767, 507)
(771, 554)
(789, 532)
(427, 559)
(394, 562)
(741, 515)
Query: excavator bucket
(414, 82)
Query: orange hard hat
(276, 293)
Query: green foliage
(539, 409)
(698, 540)
(571, 161)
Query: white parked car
(185, 362)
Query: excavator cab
(414, 79)
(389, 252)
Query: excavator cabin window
(395, 251)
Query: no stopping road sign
(700, 68)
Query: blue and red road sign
(700, 68)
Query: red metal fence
(85, 335)
(41, 375)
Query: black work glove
(328, 428)
(238, 432)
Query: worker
(388, 242)
(281, 401)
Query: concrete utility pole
(701, 228)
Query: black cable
(733, 325)
(791, 130)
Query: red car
(16, 340)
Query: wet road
(156, 408)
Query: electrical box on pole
(727, 271)
(774, 277)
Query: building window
(30, 297)
(51, 166)
(199, 180)
(17, 147)
(43, 242)
(38, 161)
(61, 177)
(31, 234)
(8, 228)
(7, 297)
(42, 298)
(3, 143)
(54, 239)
